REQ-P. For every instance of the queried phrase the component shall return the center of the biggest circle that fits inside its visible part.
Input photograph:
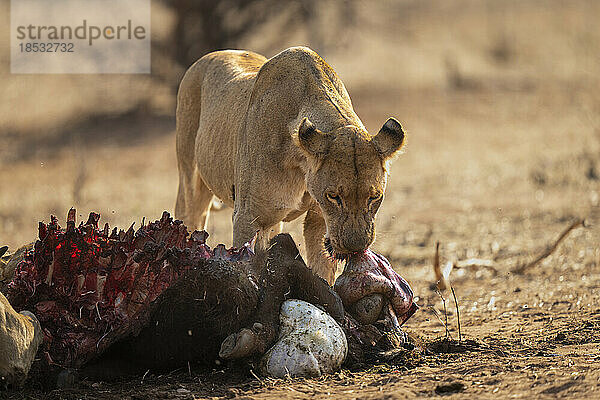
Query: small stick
(257, 378)
(550, 249)
(437, 314)
(439, 277)
(457, 314)
(445, 314)
(144, 377)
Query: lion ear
(311, 140)
(390, 138)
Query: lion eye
(334, 198)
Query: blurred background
(499, 98)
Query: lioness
(275, 138)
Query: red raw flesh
(90, 288)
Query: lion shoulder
(300, 69)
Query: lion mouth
(334, 255)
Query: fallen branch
(551, 248)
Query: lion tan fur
(276, 138)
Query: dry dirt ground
(503, 154)
(503, 197)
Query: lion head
(347, 174)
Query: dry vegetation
(500, 102)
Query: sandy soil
(503, 154)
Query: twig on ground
(457, 314)
(445, 323)
(445, 315)
(439, 317)
(440, 281)
(256, 376)
(551, 248)
(144, 377)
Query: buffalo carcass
(162, 295)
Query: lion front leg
(194, 199)
(314, 234)
(248, 222)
